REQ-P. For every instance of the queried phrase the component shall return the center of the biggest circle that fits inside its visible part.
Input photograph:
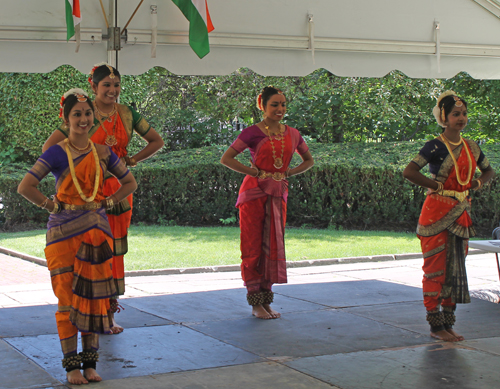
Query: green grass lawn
(156, 247)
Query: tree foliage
(197, 111)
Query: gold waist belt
(276, 176)
(460, 196)
(84, 207)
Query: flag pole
(104, 13)
(126, 25)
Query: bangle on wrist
(130, 161)
(110, 203)
(258, 172)
(43, 204)
(439, 188)
(56, 209)
(479, 184)
(287, 173)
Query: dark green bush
(351, 186)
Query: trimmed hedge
(351, 186)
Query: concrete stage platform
(349, 326)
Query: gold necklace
(278, 162)
(73, 174)
(452, 143)
(108, 116)
(110, 138)
(78, 149)
(457, 173)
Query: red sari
(263, 205)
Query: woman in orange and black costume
(445, 225)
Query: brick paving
(16, 271)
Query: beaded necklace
(73, 174)
(457, 173)
(278, 162)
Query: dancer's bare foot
(114, 326)
(459, 337)
(91, 375)
(272, 312)
(444, 335)
(260, 312)
(75, 377)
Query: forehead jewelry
(111, 72)
(81, 98)
(458, 102)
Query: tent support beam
(280, 42)
(489, 5)
(273, 42)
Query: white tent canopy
(365, 38)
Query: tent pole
(116, 25)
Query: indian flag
(73, 17)
(200, 24)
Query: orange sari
(127, 120)
(78, 250)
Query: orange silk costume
(263, 204)
(445, 225)
(127, 121)
(78, 250)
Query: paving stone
(435, 366)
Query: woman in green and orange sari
(79, 237)
(445, 225)
(114, 126)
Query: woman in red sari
(79, 239)
(114, 125)
(444, 226)
(262, 198)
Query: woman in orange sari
(444, 226)
(114, 125)
(262, 199)
(79, 237)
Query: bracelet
(43, 204)
(479, 184)
(57, 209)
(258, 172)
(439, 188)
(130, 161)
(110, 203)
(287, 173)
